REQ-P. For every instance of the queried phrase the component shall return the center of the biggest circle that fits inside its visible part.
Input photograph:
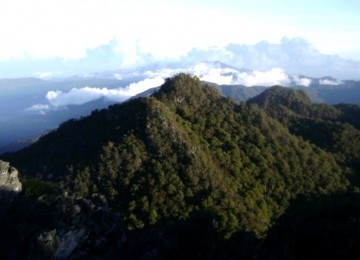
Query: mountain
(27, 129)
(18, 145)
(30, 107)
(26, 110)
(346, 92)
(61, 85)
(333, 128)
(184, 172)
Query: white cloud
(66, 29)
(51, 95)
(166, 72)
(216, 76)
(47, 74)
(300, 81)
(331, 82)
(210, 73)
(38, 108)
(228, 76)
(75, 96)
(78, 96)
(88, 75)
(295, 55)
(141, 86)
(272, 77)
(118, 76)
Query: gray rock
(68, 243)
(46, 246)
(9, 181)
(58, 245)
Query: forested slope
(185, 170)
(335, 129)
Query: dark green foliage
(283, 103)
(350, 114)
(317, 227)
(333, 128)
(34, 188)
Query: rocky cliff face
(9, 181)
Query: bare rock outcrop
(9, 181)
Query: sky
(61, 30)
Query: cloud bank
(301, 81)
(79, 96)
(295, 56)
(331, 82)
(229, 76)
(211, 72)
(38, 108)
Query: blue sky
(61, 30)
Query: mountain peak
(180, 83)
(185, 90)
(281, 96)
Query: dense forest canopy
(192, 168)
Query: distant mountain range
(31, 106)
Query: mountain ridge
(183, 163)
(40, 115)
